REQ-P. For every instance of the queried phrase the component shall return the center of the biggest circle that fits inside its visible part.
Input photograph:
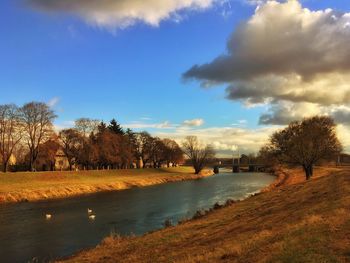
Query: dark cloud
(282, 113)
(342, 116)
(285, 54)
(282, 39)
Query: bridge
(241, 164)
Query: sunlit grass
(302, 222)
(42, 185)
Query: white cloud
(123, 13)
(225, 140)
(294, 59)
(143, 125)
(344, 136)
(53, 102)
(58, 126)
(193, 123)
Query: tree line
(27, 133)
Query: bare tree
(37, 119)
(144, 147)
(198, 153)
(71, 141)
(86, 126)
(305, 143)
(11, 132)
(172, 153)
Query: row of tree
(97, 145)
(27, 134)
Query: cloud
(143, 125)
(342, 115)
(58, 126)
(53, 102)
(286, 112)
(122, 13)
(225, 140)
(344, 136)
(193, 123)
(285, 54)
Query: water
(25, 233)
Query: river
(25, 233)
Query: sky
(229, 71)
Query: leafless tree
(144, 145)
(86, 126)
(173, 153)
(198, 153)
(37, 118)
(305, 143)
(71, 140)
(11, 132)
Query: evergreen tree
(115, 127)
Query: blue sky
(133, 73)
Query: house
(51, 158)
(61, 161)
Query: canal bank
(38, 186)
(303, 221)
(26, 233)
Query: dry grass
(27, 186)
(300, 222)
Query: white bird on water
(48, 216)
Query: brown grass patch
(302, 222)
(26, 186)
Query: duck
(92, 217)
(89, 211)
(48, 216)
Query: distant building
(61, 161)
(54, 160)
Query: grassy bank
(15, 187)
(297, 222)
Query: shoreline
(231, 221)
(199, 214)
(144, 178)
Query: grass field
(300, 222)
(29, 186)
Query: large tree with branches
(11, 132)
(37, 118)
(305, 143)
(198, 153)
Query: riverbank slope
(27, 186)
(296, 222)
